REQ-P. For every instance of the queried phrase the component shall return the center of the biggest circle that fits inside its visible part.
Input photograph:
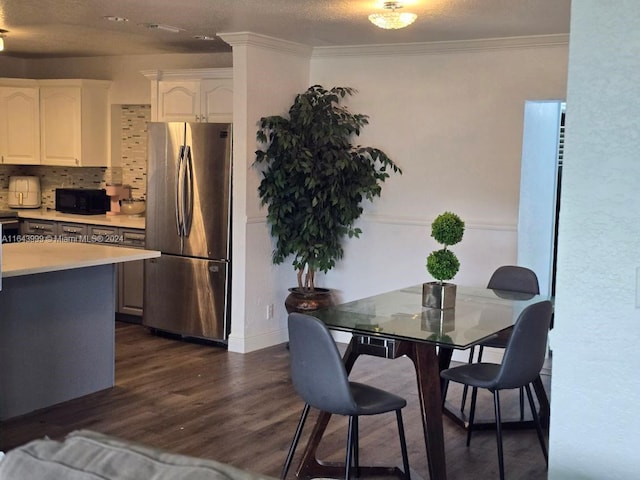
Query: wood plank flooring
(240, 409)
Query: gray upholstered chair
(521, 364)
(320, 378)
(509, 278)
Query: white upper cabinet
(19, 124)
(216, 100)
(74, 122)
(178, 101)
(200, 95)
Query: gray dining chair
(521, 364)
(319, 376)
(508, 278)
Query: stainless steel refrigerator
(186, 289)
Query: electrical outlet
(269, 311)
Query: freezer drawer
(186, 296)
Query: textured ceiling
(63, 28)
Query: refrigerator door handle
(179, 217)
(188, 192)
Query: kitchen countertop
(124, 221)
(27, 258)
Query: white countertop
(27, 258)
(124, 221)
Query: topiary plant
(447, 229)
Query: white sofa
(87, 455)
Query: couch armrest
(87, 455)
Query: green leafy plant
(314, 180)
(447, 229)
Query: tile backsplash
(132, 172)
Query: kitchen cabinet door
(74, 123)
(41, 228)
(20, 125)
(60, 123)
(131, 275)
(216, 100)
(179, 101)
(72, 232)
(130, 287)
(191, 95)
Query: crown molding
(244, 39)
(434, 48)
(188, 73)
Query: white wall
(452, 120)
(458, 138)
(267, 74)
(595, 426)
(12, 67)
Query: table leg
(444, 362)
(427, 365)
(543, 400)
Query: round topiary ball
(442, 264)
(447, 229)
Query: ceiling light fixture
(391, 19)
(160, 26)
(114, 18)
(204, 37)
(2, 34)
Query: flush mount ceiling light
(204, 37)
(391, 19)
(114, 18)
(161, 26)
(2, 34)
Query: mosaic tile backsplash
(132, 172)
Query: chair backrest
(524, 356)
(317, 370)
(514, 279)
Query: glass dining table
(395, 324)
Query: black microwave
(82, 201)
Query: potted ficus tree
(314, 181)
(447, 229)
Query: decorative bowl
(132, 207)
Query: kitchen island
(57, 321)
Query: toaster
(24, 192)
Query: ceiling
(74, 28)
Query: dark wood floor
(241, 409)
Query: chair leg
(348, 460)
(294, 443)
(521, 404)
(445, 387)
(403, 446)
(472, 414)
(465, 389)
(536, 419)
(496, 406)
(356, 446)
